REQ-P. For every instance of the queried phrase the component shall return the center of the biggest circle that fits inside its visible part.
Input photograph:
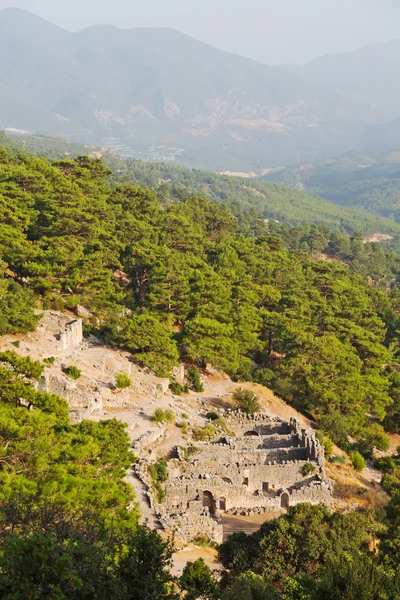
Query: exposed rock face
(269, 464)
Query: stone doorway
(222, 504)
(208, 501)
(285, 500)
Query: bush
(159, 474)
(194, 380)
(72, 372)
(188, 452)
(212, 416)
(163, 416)
(159, 470)
(327, 444)
(183, 426)
(169, 416)
(160, 492)
(17, 343)
(123, 381)
(207, 433)
(159, 415)
(178, 389)
(339, 460)
(50, 360)
(358, 461)
(307, 469)
(247, 401)
(204, 542)
(371, 438)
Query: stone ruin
(260, 469)
(61, 335)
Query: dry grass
(354, 490)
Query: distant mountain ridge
(369, 76)
(158, 88)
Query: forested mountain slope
(198, 288)
(273, 201)
(249, 199)
(370, 181)
(171, 282)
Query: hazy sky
(275, 31)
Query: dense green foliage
(270, 200)
(247, 401)
(309, 554)
(180, 281)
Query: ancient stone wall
(81, 402)
(261, 468)
(71, 336)
(190, 527)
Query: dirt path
(192, 553)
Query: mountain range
(157, 93)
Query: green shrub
(328, 446)
(338, 459)
(194, 380)
(204, 542)
(160, 492)
(50, 360)
(220, 422)
(247, 401)
(371, 438)
(178, 389)
(183, 427)
(163, 416)
(205, 433)
(327, 443)
(188, 452)
(169, 416)
(17, 343)
(72, 372)
(358, 461)
(159, 474)
(212, 415)
(159, 415)
(159, 470)
(307, 469)
(123, 381)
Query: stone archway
(208, 501)
(252, 434)
(285, 500)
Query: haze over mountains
(157, 93)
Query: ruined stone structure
(261, 468)
(70, 334)
(81, 401)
